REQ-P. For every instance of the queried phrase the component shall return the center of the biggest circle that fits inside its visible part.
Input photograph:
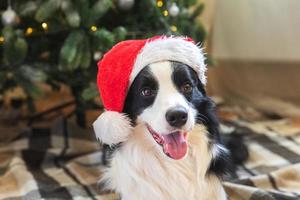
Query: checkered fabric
(62, 161)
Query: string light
(1, 39)
(29, 31)
(165, 13)
(159, 3)
(93, 28)
(173, 28)
(45, 26)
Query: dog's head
(165, 98)
(159, 84)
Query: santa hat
(120, 66)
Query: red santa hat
(119, 67)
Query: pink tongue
(175, 145)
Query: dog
(159, 129)
(175, 150)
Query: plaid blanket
(59, 160)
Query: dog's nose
(177, 116)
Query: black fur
(135, 103)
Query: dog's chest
(139, 172)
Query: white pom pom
(9, 16)
(174, 10)
(112, 127)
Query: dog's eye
(187, 88)
(146, 92)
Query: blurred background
(48, 64)
(49, 49)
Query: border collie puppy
(171, 147)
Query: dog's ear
(206, 111)
(112, 128)
(201, 87)
(220, 155)
(229, 150)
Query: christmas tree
(59, 41)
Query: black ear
(220, 164)
(234, 142)
(208, 117)
(200, 87)
(225, 162)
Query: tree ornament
(174, 10)
(97, 55)
(9, 17)
(125, 4)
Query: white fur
(140, 171)
(112, 127)
(167, 97)
(174, 49)
(218, 149)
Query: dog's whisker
(201, 119)
(203, 116)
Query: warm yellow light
(1, 39)
(94, 28)
(165, 13)
(173, 28)
(45, 26)
(159, 3)
(29, 31)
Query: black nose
(177, 116)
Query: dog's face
(165, 98)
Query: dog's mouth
(174, 144)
